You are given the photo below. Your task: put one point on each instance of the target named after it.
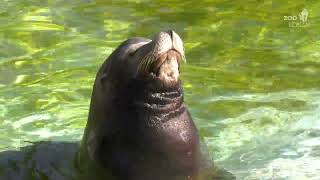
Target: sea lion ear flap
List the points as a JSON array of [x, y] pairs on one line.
[[104, 71], [103, 77]]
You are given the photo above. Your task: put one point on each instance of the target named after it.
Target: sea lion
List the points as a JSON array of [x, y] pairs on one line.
[[139, 127]]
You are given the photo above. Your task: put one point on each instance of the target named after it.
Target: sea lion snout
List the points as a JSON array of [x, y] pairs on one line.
[[163, 58], [168, 40]]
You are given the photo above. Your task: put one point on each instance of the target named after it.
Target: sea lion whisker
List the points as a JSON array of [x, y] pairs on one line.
[[146, 62], [183, 58], [141, 65]]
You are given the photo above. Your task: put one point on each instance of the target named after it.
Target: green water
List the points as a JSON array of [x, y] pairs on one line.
[[252, 78]]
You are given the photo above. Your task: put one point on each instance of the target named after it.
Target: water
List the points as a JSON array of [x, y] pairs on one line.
[[251, 80]]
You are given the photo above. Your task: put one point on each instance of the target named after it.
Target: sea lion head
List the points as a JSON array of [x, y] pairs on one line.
[[137, 100], [153, 61]]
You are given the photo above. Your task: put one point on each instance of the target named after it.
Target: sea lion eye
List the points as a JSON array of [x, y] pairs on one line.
[[133, 48], [131, 53]]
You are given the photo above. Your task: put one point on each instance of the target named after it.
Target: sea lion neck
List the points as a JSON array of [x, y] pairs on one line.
[[159, 104]]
